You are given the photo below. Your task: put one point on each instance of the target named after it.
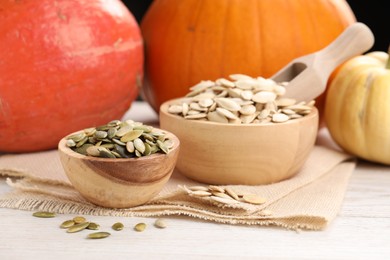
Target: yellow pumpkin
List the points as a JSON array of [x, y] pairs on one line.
[[357, 107]]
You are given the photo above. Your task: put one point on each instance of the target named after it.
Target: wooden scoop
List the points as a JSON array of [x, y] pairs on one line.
[[308, 75]]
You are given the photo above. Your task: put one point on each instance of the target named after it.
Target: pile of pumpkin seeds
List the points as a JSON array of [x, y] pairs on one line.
[[240, 100], [80, 223], [120, 139]]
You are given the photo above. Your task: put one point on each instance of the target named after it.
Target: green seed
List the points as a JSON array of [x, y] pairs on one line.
[[78, 227], [117, 226], [79, 219], [44, 214], [98, 235], [140, 227], [93, 226], [130, 136], [118, 139], [67, 224], [77, 137]]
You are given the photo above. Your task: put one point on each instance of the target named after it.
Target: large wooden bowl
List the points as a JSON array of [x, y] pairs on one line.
[[117, 182], [249, 154]]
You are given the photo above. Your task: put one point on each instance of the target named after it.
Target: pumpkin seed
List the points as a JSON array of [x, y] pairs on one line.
[[77, 137], [222, 195], [124, 130], [93, 226], [82, 149], [118, 139], [140, 227], [93, 151], [44, 214], [77, 227], [160, 223], [98, 235], [280, 118], [70, 143], [223, 200], [200, 193], [100, 134], [232, 193], [117, 226], [245, 100], [139, 145], [67, 223], [79, 219], [253, 199]]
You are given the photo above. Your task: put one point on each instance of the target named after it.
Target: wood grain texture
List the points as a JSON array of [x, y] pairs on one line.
[[119, 183], [250, 154]]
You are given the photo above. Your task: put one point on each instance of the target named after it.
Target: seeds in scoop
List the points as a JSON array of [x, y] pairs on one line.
[[79, 219], [67, 224], [44, 214], [140, 227], [98, 235], [253, 199], [77, 227], [160, 223], [117, 226]]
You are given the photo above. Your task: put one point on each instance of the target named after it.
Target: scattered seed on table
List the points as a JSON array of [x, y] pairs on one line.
[[160, 223], [78, 227], [44, 214], [98, 235], [79, 219], [140, 227], [93, 226], [117, 226], [67, 224]]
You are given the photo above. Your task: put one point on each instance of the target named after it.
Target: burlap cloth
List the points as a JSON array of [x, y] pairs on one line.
[[310, 200]]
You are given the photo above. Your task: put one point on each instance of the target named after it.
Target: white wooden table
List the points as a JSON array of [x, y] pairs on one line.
[[361, 231]]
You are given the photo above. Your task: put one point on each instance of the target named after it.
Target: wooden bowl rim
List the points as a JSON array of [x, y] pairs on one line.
[[63, 148], [164, 110]]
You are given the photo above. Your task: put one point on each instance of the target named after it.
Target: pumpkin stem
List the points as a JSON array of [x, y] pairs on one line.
[[388, 59]]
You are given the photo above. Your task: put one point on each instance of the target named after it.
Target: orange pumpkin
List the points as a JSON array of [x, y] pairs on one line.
[[64, 66], [189, 41]]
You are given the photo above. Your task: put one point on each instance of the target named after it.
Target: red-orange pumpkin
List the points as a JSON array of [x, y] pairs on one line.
[[189, 41], [64, 66]]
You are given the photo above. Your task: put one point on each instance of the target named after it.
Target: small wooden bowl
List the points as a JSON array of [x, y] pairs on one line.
[[248, 154], [117, 182]]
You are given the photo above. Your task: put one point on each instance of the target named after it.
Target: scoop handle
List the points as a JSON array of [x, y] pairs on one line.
[[354, 40]]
